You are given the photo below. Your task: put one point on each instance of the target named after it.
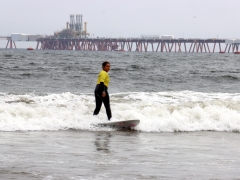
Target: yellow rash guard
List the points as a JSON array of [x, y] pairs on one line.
[[103, 77]]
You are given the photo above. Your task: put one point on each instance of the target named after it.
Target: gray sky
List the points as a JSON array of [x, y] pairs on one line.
[[124, 18]]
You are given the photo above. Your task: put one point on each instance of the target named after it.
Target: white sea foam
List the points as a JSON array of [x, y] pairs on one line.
[[158, 112]]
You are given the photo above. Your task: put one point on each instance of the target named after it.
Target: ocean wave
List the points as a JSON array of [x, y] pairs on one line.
[[8, 55], [230, 77], [220, 78], [158, 111]]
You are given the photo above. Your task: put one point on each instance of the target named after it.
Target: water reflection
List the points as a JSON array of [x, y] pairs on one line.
[[102, 141]]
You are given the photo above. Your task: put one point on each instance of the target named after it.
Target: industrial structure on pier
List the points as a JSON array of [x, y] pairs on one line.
[[74, 29], [76, 37]]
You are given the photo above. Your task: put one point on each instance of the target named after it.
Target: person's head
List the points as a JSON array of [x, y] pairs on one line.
[[106, 66]]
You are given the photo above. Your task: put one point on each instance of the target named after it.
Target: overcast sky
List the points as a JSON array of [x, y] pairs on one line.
[[124, 18]]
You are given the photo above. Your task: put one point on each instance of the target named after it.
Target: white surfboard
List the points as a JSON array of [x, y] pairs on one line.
[[124, 124]]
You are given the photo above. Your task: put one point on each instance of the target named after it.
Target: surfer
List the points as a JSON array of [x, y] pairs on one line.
[[101, 90]]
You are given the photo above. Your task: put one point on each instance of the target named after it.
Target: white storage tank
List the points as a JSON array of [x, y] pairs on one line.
[[229, 41], [149, 37], [237, 41], [32, 37], [166, 37], [16, 36], [24, 37]]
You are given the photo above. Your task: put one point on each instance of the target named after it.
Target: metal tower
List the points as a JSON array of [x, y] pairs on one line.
[[72, 22], [79, 25]]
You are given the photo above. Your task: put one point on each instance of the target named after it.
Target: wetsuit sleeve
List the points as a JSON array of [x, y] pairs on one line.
[[101, 87]]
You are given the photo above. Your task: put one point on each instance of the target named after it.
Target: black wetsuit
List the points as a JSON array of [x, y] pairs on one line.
[[100, 88]]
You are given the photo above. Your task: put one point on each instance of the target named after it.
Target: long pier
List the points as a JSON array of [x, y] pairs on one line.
[[138, 44], [189, 45]]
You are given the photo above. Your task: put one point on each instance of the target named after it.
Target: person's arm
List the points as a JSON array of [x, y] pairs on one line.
[[102, 89]]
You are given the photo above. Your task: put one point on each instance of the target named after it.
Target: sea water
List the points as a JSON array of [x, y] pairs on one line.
[[188, 104]]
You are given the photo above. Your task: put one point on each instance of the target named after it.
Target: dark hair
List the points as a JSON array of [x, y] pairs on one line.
[[105, 63]]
